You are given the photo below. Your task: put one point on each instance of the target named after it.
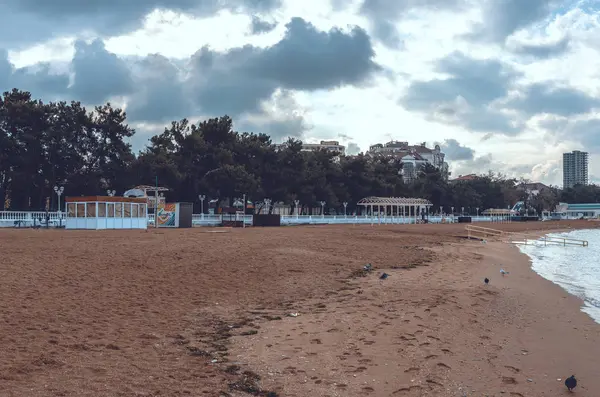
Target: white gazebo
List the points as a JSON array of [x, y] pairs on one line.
[[404, 207]]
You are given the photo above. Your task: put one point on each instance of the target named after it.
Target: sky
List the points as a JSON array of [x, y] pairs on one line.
[[502, 85]]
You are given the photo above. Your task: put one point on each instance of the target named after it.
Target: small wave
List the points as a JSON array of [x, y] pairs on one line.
[[575, 269]]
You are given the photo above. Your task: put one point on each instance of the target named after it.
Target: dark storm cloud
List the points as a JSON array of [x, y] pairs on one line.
[[39, 79], [98, 74], [503, 18], [545, 98], [384, 14], [305, 59], [543, 50], [465, 98], [160, 95], [259, 26], [457, 152], [28, 21]]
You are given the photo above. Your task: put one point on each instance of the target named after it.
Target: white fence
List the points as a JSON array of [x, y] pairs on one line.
[[29, 218]]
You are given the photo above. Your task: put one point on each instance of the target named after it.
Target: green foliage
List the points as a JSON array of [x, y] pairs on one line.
[[42, 145]]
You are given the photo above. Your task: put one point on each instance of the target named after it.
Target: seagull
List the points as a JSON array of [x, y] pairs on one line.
[[384, 276], [571, 383], [503, 272], [486, 280]]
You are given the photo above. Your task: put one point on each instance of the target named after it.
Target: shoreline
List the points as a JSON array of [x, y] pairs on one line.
[[444, 337]]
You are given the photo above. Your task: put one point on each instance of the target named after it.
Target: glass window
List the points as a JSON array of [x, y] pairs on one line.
[[91, 210], [118, 210], [110, 210], [142, 210], [71, 210], [80, 210], [134, 210], [127, 210], [101, 210]]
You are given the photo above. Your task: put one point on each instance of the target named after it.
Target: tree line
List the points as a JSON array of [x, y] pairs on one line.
[[88, 152]]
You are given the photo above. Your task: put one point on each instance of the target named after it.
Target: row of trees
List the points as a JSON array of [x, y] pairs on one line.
[[87, 152]]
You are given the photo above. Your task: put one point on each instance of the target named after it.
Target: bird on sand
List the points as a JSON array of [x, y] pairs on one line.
[[503, 272], [486, 280], [571, 383], [384, 276]]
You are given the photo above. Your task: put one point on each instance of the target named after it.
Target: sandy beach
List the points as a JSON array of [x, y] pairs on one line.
[[286, 312]]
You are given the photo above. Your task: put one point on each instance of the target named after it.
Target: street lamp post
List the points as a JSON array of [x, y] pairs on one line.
[[267, 204], [322, 208], [59, 191], [244, 214], [202, 197], [452, 212], [345, 206], [477, 209], [297, 203]]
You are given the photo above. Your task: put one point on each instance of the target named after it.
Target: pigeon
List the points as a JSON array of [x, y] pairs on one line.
[[486, 280], [503, 272], [571, 383], [384, 276]]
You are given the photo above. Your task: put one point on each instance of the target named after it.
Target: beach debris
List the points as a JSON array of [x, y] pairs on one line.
[[486, 280], [571, 382], [368, 267], [503, 272], [384, 276], [293, 314]]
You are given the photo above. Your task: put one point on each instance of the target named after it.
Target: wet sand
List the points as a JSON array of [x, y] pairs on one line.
[[186, 312]]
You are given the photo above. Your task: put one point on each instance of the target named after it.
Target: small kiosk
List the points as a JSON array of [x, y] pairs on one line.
[[106, 212]]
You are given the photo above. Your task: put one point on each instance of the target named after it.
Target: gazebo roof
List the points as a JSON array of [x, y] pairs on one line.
[[393, 201]]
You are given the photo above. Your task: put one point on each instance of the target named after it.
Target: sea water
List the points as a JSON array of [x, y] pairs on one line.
[[574, 268]]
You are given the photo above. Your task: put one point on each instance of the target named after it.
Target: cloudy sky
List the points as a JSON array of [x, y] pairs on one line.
[[506, 85]]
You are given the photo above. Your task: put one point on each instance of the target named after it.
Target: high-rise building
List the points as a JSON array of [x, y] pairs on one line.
[[575, 169]]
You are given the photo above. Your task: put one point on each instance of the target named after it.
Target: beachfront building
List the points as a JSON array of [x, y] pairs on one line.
[[413, 157], [586, 210], [575, 169]]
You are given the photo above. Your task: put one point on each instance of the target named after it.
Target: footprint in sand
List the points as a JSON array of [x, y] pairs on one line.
[[509, 380], [430, 357], [368, 389], [412, 369], [407, 390], [513, 369], [443, 365]]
